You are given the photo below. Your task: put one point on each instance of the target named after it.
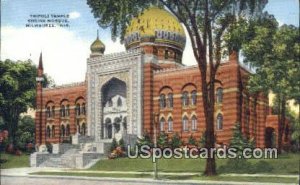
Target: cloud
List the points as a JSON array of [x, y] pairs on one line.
[[74, 15], [64, 53]]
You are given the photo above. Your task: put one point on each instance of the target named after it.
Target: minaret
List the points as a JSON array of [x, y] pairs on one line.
[[39, 103]]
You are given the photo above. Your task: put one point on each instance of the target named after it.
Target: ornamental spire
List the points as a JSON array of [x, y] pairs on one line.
[[41, 61]]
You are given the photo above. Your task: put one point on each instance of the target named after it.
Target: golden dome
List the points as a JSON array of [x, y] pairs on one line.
[[97, 46], [155, 25]]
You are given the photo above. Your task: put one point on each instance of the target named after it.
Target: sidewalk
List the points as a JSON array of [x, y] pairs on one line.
[[25, 172]]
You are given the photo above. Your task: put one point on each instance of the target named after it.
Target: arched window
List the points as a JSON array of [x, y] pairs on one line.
[[110, 103], [185, 99], [53, 111], [219, 95], [68, 110], [194, 123], [63, 131], [62, 111], [68, 130], [48, 113], [166, 54], [48, 132], [170, 100], [53, 131], [185, 123], [219, 122], [83, 109], [162, 101], [194, 97], [119, 103], [162, 124], [170, 124], [77, 109], [83, 129]]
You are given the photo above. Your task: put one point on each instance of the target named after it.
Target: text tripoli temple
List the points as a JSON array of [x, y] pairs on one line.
[[123, 90]]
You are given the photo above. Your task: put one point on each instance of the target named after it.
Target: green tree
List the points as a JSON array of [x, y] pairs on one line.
[[162, 140], [25, 133], [274, 53], [175, 141], [192, 140], [239, 141], [17, 92], [206, 22]]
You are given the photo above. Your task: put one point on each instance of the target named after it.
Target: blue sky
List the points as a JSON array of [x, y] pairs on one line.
[[70, 46]]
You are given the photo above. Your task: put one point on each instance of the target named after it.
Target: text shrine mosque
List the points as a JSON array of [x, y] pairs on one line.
[[122, 91]]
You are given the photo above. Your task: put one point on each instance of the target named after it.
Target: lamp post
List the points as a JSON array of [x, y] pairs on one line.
[[155, 121]]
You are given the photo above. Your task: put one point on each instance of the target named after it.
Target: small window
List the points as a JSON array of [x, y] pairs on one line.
[[219, 122], [166, 54], [53, 131], [62, 111], [119, 103], [68, 130], [170, 100], [170, 124], [48, 132], [219, 95], [63, 131], [83, 109], [48, 112], [78, 112], [162, 124], [194, 97], [162, 101], [68, 110], [194, 123], [53, 112], [185, 99], [185, 124]]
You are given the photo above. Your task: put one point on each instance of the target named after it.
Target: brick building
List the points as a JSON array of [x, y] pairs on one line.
[[123, 90]]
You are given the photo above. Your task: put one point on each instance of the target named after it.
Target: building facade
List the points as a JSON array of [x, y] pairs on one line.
[[122, 91]]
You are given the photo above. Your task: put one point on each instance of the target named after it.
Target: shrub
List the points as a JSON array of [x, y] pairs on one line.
[[162, 140], [114, 144], [192, 140], [49, 147], [175, 141]]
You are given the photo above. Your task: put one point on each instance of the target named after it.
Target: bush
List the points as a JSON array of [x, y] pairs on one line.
[[162, 140], [175, 141], [145, 140], [49, 147], [113, 145], [192, 140]]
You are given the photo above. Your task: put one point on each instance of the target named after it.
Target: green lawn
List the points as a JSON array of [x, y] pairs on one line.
[[13, 161], [286, 164], [176, 177]]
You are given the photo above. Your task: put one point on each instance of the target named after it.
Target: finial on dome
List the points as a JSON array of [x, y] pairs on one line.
[[97, 47]]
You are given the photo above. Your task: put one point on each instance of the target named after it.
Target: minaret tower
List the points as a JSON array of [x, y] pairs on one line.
[[39, 104]]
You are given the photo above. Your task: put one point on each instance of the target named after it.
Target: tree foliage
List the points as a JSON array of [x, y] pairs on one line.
[[17, 92]]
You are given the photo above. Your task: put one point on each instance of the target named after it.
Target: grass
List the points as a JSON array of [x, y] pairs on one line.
[[176, 177], [285, 164], [13, 161]]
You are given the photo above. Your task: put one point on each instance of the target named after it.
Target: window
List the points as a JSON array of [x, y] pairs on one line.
[[83, 129], [194, 123], [53, 131], [219, 122], [194, 97], [166, 54], [170, 100], [110, 103], [119, 103], [83, 109], [62, 111], [48, 132], [68, 130], [219, 95], [162, 124], [185, 124], [77, 109], [162, 101], [63, 131], [53, 111], [68, 110], [48, 112], [170, 124], [185, 99]]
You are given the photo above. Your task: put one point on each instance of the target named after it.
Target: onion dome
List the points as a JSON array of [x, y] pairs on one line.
[[97, 47], [156, 26]]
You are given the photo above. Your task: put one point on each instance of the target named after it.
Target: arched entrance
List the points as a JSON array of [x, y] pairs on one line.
[[270, 137]]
